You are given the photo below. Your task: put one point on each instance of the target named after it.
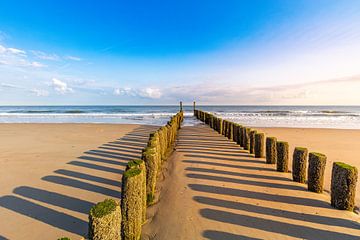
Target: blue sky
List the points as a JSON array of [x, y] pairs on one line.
[[160, 52]]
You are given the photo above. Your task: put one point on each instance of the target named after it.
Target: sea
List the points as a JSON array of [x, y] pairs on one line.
[[340, 117]]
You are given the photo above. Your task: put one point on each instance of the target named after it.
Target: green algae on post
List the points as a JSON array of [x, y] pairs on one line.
[[299, 164], [131, 204], [105, 220], [343, 186], [316, 171], [271, 153], [282, 161], [259, 145]]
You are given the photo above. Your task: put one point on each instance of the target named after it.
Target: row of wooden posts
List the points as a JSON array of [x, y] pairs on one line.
[[112, 219], [344, 177]]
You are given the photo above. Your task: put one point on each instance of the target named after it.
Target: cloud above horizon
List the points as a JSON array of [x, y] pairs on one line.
[[16, 57], [306, 53], [61, 87], [151, 93]]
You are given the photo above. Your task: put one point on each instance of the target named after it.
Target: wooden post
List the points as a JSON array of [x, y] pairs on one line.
[[299, 164], [271, 153], [131, 204], [181, 108], [194, 106], [343, 186], [105, 220], [316, 169], [259, 145], [282, 160]]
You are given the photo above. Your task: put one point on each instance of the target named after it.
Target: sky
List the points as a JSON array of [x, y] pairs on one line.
[[255, 52]]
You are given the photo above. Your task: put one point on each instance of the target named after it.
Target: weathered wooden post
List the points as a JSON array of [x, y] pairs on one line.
[[225, 132], [299, 164], [194, 106], [343, 186], [131, 204], [220, 127], [259, 145], [246, 138], [181, 106], [236, 133], [105, 220], [316, 170], [153, 164], [140, 164], [241, 138], [271, 153], [282, 161], [230, 131], [252, 141]]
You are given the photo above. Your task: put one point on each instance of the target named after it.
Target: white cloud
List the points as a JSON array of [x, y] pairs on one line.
[[37, 64], [60, 86], [39, 92], [8, 85], [45, 56], [17, 58], [16, 51], [338, 91], [152, 93], [2, 49], [73, 58]]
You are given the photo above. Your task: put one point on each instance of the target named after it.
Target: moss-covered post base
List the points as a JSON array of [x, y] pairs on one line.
[[140, 164], [282, 149], [153, 164], [131, 204], [299, 164], [343, 186], [105, 221], [271, 153], [316, 170]]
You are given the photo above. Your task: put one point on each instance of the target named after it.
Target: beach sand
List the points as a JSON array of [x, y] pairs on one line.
[[214, 190], [51, 174], [338, 145]]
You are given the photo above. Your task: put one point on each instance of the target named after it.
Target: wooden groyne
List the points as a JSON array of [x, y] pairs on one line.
[[124, 218], [344, 177], [114, 219]]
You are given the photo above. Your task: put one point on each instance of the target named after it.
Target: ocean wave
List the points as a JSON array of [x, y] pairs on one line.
[[87, 114], [32, 111], [75, 111], [290, 113]]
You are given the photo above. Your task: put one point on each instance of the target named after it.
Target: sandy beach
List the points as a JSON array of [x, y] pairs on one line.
[[51, 174]]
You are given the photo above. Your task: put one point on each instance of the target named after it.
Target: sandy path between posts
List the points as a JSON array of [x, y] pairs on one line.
[[51, 175], [214, 190]]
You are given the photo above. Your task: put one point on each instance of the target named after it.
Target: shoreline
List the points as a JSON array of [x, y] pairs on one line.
[[186, 124]]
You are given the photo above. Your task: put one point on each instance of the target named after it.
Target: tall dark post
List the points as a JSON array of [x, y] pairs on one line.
[[181, 108], [194, 106]]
